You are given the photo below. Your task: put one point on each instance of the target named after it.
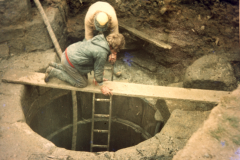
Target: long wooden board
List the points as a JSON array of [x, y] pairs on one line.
[[119, 88], [145, 37]]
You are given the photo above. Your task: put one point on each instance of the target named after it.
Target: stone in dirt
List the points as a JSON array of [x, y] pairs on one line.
[[33, 35], [14, 11], [11, 32], [144, 61], [236, 67], [211, 72], [37, 36], [4, 50]]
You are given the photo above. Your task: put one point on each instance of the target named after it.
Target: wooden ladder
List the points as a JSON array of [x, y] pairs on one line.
[[101, 116]]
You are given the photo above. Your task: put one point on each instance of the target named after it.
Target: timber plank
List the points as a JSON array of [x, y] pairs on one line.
[[119, 88], [145, 37]]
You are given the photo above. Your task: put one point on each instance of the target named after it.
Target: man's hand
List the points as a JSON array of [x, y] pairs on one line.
[[106, 91]]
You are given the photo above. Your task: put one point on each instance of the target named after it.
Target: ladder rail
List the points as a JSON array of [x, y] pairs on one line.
[[92, 130], [109, 122]]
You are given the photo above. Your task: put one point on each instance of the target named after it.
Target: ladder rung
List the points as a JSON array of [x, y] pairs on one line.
[[101, 115], [99, 146], [103, 100], [100, 131], [107, 68]]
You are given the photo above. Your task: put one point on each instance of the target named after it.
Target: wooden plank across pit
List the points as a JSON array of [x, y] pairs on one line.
[[119, 88]]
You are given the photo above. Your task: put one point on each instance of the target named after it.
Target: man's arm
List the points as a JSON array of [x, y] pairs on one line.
[[114, 29], [98, 74], [114, 22], [114, 26], [88, 31], [88, 27], [98, 69]]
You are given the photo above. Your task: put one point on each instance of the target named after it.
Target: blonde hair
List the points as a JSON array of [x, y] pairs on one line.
[[116, 41]]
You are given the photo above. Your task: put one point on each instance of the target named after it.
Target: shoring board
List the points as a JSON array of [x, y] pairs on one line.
[[119, 88], [145, 37]]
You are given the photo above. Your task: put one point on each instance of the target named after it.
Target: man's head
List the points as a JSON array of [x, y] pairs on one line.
[[101, 21], [116, 41]]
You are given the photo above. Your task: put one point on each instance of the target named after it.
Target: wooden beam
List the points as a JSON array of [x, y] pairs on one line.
[[145, 37], [119, 88], [75, 120]]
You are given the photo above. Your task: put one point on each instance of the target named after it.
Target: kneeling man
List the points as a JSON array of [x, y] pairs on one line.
[[81, 58]]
